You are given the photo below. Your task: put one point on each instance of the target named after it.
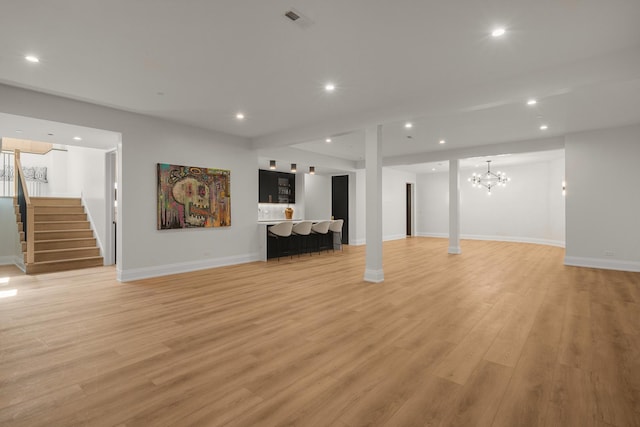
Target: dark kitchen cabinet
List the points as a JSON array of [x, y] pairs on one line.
[[276, 187]]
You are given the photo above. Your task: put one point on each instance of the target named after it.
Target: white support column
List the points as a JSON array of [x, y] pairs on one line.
[[454, 207], [373, 157]]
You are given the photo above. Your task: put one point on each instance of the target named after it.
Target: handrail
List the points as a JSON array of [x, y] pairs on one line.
[[23, 180], [26, 209]]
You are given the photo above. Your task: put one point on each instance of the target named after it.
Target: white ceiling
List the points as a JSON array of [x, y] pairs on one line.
[[430, 62], [12, 126], [479, 163]]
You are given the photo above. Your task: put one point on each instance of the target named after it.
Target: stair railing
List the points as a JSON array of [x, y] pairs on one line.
[[26, 209]]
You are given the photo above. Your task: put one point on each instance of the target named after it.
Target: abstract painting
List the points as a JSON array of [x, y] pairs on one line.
[[193, 197]]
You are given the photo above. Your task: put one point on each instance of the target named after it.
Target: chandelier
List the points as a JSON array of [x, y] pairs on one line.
[[489, 179]]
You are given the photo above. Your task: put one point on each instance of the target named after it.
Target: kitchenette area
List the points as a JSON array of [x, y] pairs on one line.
[[295, 215]]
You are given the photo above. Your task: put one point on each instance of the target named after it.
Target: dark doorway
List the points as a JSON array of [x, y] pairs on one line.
[[340, 203], [409, 209]]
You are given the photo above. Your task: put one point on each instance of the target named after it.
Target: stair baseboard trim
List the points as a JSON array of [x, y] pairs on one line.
[[83, 202], [601, 263], [128, 275]]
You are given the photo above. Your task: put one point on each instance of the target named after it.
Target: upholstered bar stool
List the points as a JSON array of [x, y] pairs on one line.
[[336, 229], [320, 230], [281, 232], [301, 231]]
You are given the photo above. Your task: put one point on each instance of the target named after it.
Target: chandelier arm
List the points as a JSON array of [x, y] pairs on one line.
[[489, 179]]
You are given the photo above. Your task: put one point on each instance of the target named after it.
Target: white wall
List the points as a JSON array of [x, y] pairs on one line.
[[9, 241], [144, 251], [603, 199], [394, 184], [394, 203], [432, 204], [354, 208], [317, 197], [529, 209], [557, 205], [360, 229], [86, 174], [58, 175]]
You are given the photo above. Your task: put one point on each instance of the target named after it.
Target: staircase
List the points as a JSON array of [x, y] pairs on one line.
[[63, 238]]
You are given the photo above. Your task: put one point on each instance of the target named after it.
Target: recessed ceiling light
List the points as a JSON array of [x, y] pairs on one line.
[[408, 125], [433, 169], [498, 32], [329, 87], [32, 58], [240, 116], [77, 138], [532, 102], [442, 141], [544, 127], [18, 131], [328, 140]]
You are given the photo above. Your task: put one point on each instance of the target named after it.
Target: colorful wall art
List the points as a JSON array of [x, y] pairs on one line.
[[193, 197]]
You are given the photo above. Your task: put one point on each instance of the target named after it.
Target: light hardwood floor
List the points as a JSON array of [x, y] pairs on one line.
[[502, 335]]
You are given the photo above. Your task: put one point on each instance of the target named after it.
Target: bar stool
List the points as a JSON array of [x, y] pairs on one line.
[[336, 228], [281, 232], [301, 231], [320, 229]]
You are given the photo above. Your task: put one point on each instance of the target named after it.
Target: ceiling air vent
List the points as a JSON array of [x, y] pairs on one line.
[[298, 18], [292, 15]]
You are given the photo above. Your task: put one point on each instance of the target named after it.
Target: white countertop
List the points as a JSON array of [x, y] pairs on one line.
[[277, 221]]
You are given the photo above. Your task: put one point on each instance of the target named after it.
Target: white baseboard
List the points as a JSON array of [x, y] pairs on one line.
[[440, 235], [7, 260], [183, 267], [607, 264], [360, 242], [18, 261], [516, 239], [373, 276]]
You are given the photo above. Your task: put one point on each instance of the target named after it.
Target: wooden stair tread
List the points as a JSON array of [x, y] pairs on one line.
[[58, 222], [66, 199], [72, 239], [62, 231], [55, 201], [97, 257], [42, 267], [41, 235], [64, 250]]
